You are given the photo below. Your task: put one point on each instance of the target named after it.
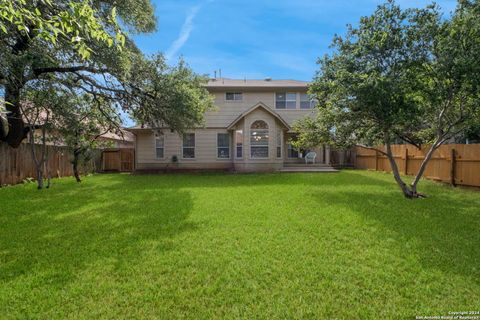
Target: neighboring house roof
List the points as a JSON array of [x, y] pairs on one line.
[[138, 128], [127, 136], [224, 83], [255, 107]]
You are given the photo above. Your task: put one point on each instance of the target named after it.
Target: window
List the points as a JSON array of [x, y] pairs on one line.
[[292, 153], [234, 96], [159, 146], [307, 101], [189, 146], [223, 145], [279, 143], [239, 144], [285, 100], [259, 139]]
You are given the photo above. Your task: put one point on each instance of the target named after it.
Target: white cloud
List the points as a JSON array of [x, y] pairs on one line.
[[185, 31]]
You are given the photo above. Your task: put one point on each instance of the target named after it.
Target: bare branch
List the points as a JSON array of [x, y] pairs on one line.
[[39, 71], [372, 148]]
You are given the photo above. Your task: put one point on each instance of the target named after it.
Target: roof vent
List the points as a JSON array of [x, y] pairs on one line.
[[268, 79]]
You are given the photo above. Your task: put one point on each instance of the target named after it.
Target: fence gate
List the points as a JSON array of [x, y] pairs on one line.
[[120, 160]]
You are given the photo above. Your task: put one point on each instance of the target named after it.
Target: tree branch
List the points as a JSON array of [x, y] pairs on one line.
[[408, 140], [372, 148], [39, 71]]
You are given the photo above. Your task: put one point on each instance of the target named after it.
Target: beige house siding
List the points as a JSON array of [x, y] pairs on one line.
[[227, 111], [257, 104], [254, 164], [205, 151]]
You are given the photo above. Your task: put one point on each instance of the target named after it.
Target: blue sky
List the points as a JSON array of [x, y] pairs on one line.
[[281, 39]]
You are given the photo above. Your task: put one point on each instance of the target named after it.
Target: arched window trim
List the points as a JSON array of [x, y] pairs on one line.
[[259, 139]]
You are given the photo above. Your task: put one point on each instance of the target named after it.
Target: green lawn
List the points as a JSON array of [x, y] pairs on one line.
[[264, 246]]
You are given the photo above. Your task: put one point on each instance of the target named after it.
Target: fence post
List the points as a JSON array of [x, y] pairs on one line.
[[406, 161], [453, 162], [376, 160]]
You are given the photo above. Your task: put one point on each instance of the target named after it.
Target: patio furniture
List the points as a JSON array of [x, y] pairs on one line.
[[310, 157]]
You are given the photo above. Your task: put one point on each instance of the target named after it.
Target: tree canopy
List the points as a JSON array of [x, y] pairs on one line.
[[83, 46], [401, 75]]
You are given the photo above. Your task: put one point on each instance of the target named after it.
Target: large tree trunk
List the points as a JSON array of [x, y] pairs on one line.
[[16, 126], [423, 167], [15, 82], [39, 178], [407, 192], [76, 160]]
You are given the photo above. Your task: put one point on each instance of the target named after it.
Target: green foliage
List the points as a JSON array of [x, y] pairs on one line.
[[79, 46], [79, 122], [223, 246], [166, 96], [76, 21], [406, 75], [365, 87], [3, 119]]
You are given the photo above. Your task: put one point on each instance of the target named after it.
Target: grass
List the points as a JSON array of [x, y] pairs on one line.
[[263, 246]]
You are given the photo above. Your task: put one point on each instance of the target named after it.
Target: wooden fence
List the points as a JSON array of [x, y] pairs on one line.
[[458, 164], [17, 164], [121, 160]]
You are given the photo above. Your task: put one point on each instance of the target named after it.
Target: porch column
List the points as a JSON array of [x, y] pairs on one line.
[[327, 154]]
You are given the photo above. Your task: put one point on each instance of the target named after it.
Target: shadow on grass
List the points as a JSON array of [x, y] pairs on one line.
[[445, 226], [57, 233]]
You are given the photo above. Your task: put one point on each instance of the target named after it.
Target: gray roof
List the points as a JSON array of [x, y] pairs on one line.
[[265, 83]]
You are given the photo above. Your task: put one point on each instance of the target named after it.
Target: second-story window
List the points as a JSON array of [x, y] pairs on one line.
[[234, 96], [307, 101], [285, 100]]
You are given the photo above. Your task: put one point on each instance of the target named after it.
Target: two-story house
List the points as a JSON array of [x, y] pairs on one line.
[[249, 130]]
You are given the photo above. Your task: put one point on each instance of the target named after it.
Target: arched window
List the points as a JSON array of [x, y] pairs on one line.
[[259, 139]]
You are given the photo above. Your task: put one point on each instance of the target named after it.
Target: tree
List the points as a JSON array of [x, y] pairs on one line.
[[3, 118], [472, 134], [78, 122], [167, 96], [79, 45], [37, 116], [46, 39], [407, 75]]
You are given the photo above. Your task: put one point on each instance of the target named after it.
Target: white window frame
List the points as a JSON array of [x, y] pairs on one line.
[[229, 147], [160, 138], [189, 147], [263, 145], [237, 96], [237, 144], [286, 93]]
